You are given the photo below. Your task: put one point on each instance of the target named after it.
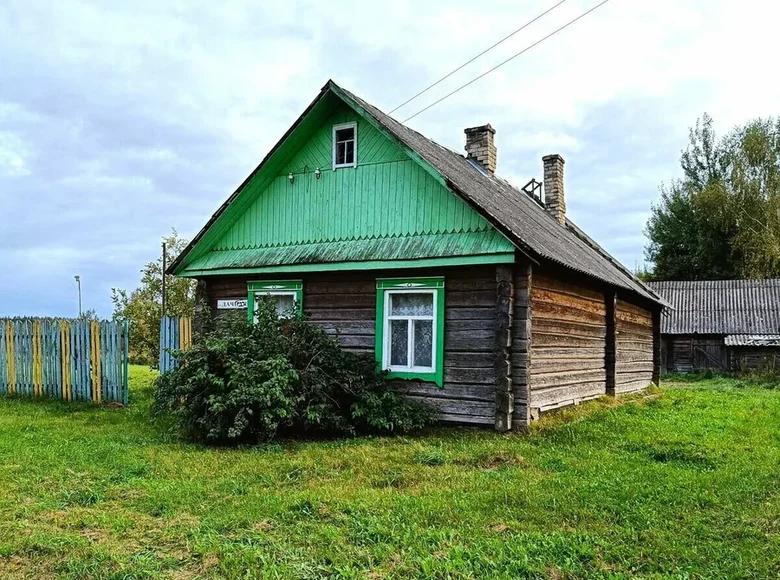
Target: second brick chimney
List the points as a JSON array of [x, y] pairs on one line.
[[481, 148], [554, 201]]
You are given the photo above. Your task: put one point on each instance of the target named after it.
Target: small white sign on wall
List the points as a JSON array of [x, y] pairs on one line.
[[232, 304]]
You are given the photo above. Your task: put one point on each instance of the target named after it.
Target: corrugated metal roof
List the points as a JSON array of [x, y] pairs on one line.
[[512, 212], [721, 306], [752, 340]]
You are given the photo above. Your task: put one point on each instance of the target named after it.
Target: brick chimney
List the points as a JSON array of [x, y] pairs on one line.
[[554, 201], [481, 148]]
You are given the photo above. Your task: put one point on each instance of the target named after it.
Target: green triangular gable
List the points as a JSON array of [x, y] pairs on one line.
[[391, 207]]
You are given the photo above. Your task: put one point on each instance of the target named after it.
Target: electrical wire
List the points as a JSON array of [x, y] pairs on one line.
[[468, 62], [514, 56]]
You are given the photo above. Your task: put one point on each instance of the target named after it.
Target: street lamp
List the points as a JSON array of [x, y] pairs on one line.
[[78, 281]]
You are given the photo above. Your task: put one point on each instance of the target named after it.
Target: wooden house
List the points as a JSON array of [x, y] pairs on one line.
[[477, 297], [723, 325]]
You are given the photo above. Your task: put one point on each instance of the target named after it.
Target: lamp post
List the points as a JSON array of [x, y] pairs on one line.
[[78, 281]]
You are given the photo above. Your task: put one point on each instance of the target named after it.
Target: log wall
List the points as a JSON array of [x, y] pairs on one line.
[[634, 347], [549, 342], [345, 305], [568, 344]]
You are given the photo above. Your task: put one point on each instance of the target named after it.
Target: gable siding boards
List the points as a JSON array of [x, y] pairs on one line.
[[388, 196], [344, 304]]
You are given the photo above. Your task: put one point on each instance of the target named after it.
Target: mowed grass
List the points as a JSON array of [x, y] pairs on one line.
[[683, 484]]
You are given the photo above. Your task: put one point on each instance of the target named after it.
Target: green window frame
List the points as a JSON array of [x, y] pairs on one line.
[[292, 288], [385, 289]]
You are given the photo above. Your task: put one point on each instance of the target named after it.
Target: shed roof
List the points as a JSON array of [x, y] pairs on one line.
[[752, 340], [512, 212], [721, 306]]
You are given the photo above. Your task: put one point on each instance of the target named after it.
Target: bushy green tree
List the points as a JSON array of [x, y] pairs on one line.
[[722, 218], [143, 306], [245, 383]]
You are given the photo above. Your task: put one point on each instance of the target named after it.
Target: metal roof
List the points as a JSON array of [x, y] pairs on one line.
[[752, 340], [512, 211], [721, 306]]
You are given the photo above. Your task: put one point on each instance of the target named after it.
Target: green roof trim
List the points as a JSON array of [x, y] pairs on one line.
[[505, 258]]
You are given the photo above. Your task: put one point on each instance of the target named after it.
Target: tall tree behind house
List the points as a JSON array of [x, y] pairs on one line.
[[721, 220]]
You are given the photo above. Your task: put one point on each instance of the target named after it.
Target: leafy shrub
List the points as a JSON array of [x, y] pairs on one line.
[[245, 383]]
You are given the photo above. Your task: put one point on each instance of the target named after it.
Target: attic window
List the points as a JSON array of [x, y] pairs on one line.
[[344, 145]]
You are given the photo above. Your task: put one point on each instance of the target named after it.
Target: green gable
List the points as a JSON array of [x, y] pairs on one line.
[[390, 210]]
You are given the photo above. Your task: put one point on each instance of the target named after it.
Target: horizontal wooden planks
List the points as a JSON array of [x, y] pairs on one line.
[[344, 304], [568, 343], [634, 342]]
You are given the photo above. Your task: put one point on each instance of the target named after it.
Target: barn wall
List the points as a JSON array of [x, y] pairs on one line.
[[568, 343], [754, 358], [686, 353], [344, 304], [634, 347]]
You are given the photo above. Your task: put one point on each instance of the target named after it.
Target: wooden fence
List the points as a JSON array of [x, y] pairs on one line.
[[175, 334], [74, 360]]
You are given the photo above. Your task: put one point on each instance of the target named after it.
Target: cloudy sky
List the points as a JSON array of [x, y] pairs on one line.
[[120, 121]]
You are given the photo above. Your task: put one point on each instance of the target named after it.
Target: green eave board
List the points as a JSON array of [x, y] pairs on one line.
[[299, 214]]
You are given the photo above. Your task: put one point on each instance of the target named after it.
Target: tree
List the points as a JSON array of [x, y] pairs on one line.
[[722, 218], [143, 306], [89, 315]]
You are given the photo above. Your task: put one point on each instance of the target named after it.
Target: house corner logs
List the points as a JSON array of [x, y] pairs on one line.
[[610, 349], [503, 343], [520, 349], [657, 346]]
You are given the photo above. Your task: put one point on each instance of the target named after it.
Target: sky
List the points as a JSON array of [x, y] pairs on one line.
[[120, 121]]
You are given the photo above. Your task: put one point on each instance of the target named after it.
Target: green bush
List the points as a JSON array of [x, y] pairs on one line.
[[246, 383]]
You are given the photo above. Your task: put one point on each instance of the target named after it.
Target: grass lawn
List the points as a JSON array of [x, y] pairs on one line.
[[684, 485]]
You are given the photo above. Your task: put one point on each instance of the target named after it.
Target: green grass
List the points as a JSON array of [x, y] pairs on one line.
[[682, 485]]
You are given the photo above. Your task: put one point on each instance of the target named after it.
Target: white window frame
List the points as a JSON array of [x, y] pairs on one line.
[[387, 338], [257, 293], [353, 126]]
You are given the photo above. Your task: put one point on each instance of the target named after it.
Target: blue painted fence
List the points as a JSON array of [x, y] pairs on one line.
[[74, 360], [175, 334]]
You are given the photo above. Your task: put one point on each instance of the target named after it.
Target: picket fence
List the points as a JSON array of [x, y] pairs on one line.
[[73, 360], [175, 334]]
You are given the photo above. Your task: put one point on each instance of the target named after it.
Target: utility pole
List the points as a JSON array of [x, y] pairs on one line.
[[164, 267], [78, 281]]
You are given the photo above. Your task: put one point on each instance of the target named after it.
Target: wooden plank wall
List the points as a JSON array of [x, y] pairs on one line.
[[345, 305], [65, 359], [634, 344], [175, 334], [754, 358], [568, 344], [694, 353]]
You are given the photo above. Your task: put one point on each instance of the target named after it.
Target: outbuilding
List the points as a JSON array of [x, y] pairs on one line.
[[721, 325], [479, 298]]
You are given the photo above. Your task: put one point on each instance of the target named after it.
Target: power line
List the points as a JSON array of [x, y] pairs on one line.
[[499, 65], [468, 62]]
